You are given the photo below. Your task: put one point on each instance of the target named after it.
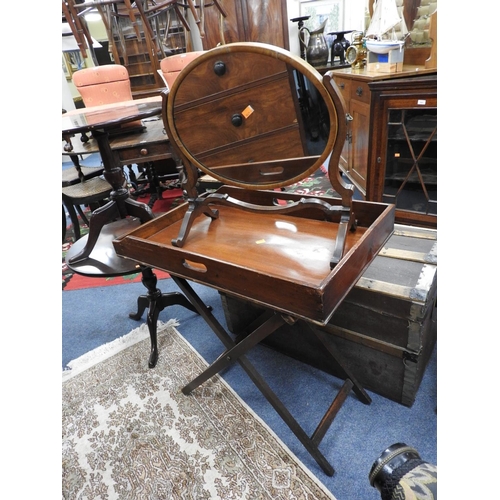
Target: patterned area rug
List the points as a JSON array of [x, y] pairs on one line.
[[317, 184], [130, 433]]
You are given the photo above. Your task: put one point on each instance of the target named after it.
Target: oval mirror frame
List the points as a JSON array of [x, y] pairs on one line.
[[214, 57]]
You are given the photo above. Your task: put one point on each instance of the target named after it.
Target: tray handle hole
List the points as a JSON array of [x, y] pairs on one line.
[[194, 266]]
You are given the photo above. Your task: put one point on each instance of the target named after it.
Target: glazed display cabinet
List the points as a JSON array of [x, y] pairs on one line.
[[402, 162], [390, 149]]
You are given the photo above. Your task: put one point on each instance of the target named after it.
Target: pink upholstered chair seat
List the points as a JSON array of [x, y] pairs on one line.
[[107, 84], [171, 66], [103, 84]]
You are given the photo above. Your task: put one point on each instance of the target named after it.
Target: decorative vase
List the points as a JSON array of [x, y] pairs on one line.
[[339, 46], [317, 49]]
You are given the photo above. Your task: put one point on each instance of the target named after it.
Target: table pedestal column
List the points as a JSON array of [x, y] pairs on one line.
[[121, 204]]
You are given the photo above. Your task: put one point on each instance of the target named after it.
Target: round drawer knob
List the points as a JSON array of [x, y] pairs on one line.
[[144, 151], [237, 120], [219, 68], [359, 91]]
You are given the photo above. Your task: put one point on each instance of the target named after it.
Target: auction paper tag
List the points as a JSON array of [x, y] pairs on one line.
[[247, 111]]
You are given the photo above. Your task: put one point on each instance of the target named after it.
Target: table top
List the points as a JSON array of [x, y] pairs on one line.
[[110, 115], [103, 261], [364, 74], [153, 133]]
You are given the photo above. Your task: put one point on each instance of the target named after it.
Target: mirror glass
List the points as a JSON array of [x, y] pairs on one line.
[[247, 117]]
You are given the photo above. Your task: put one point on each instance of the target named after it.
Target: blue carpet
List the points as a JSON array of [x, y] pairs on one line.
[[358, 435], [92, 160]]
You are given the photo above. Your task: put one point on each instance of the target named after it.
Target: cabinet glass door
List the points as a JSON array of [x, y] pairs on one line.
[[411, 162]]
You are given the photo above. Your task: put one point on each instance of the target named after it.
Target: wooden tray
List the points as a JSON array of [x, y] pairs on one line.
[[277, 261]]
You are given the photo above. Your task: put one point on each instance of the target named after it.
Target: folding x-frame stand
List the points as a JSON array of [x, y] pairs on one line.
[[235, 352]]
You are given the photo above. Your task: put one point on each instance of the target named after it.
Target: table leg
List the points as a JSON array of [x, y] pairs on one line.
[[156, 301], [347, 373], [235, 352]]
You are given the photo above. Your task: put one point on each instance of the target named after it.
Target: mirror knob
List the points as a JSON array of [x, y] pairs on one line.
[[237, 119], [219, 68]]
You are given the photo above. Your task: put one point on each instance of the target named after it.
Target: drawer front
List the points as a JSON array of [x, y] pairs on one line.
[[275, 146], [227, 73], [246, 105], [360, 92], [144, 153], [344, 86], [237, 119]]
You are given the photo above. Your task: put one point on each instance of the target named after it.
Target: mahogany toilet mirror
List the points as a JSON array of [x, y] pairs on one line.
[[256, 117]]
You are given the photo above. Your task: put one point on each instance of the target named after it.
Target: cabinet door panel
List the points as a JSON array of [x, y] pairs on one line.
[[267, 22], [403, 157], [233, 27], [344, 86], [247, 21], [359, 144]]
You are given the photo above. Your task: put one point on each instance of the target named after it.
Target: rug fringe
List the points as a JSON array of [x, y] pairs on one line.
[[105, 351]]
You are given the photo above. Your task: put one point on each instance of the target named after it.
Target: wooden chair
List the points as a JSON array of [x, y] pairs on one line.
[[80, 173], [71, 176], [171, 66], [81, 185], [93, 192], [105, 84]]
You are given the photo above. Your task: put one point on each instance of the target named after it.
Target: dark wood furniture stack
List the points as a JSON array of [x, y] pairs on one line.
[[248, 21], [257, 118], [141, 34]]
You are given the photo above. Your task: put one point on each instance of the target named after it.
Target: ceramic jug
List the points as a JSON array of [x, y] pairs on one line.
[[317, 49]]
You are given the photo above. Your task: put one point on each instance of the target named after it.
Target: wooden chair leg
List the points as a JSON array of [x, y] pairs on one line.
[[82, 214], [74, 219], [63, 223]]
